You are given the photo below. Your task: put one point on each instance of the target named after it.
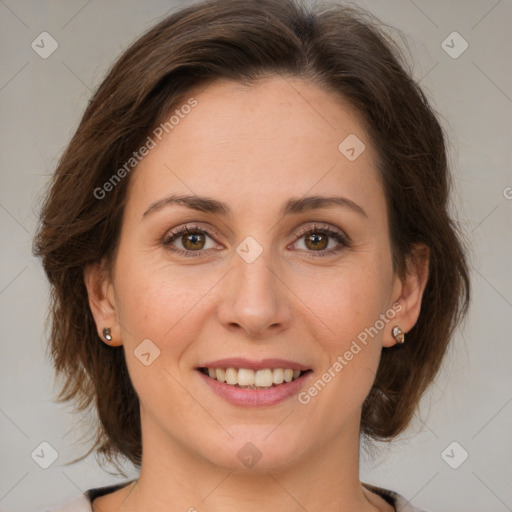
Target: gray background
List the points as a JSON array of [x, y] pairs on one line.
[[41, 102]]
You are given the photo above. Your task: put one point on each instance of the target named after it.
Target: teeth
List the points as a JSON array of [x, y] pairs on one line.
[[252, 379], [245, 377], [220, 374], [263, 378], [278, 376], [231, 376]]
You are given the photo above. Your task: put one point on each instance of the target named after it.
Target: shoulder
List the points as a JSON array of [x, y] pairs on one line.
[[82, 502], [394, 499]]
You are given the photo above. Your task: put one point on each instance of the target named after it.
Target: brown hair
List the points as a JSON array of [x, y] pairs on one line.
[[341, 49]]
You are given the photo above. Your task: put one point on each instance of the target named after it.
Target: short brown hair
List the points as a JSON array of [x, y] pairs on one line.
[[341, 49]]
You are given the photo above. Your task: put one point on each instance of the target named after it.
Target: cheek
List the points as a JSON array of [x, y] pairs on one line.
[[346, 301], [166, 306], [347, 308], [156, 299], [352, 352]]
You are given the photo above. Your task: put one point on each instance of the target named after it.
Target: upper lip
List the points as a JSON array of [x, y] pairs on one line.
[[240, 362]]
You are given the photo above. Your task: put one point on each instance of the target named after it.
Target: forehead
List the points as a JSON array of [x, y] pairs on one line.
[[251, 143]]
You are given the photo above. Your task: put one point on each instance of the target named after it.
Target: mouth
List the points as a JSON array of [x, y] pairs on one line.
[[254, 383], [248, 378]]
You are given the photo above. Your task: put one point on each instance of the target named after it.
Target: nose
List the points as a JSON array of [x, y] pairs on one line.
[[254, 299]]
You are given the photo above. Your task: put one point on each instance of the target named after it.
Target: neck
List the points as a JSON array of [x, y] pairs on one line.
[[173, 477]]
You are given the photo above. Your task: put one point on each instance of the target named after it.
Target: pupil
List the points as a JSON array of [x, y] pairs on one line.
[[318, 241], [191, 241]]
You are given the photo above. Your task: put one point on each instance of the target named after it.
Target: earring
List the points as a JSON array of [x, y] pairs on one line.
[[107, 334], [398, 334]]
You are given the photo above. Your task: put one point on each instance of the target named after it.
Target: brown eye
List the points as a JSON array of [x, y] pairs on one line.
[[316, 241], [322, 240], [189, 241], [193, 241]]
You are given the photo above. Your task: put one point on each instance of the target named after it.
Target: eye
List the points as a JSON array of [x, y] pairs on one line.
[[321, 239], [193, 241], [189, 241]]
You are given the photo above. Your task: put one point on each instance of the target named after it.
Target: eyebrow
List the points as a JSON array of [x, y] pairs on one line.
[[292, 206]]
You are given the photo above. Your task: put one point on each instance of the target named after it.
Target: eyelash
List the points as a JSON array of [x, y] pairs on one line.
[[316, 228]]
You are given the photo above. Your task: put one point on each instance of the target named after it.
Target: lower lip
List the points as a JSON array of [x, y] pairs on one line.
[[255, 397]]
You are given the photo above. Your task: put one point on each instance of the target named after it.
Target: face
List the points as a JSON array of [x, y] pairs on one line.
[[262, 278]]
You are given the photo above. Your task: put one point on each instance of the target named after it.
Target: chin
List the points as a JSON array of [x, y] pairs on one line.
[[260, 452]]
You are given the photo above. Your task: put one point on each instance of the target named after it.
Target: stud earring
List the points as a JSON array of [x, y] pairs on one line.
[[107, 334], [398, 334]]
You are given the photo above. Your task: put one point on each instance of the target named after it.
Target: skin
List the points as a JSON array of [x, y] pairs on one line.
[[253, 148]]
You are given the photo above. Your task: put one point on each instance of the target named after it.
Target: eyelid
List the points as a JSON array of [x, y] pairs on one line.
[[194, 226], [320, 226], [174, 233], [305, 229]]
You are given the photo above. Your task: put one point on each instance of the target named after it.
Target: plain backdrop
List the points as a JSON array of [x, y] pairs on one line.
[[42, 100]]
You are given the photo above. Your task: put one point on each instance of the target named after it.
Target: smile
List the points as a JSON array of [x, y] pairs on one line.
[[248, 383], [247, 378]]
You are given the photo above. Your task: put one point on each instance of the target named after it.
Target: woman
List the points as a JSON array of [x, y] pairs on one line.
[[252, 260]]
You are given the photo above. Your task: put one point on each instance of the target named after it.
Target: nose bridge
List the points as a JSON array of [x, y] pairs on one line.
[[254, 299], [254, 279]]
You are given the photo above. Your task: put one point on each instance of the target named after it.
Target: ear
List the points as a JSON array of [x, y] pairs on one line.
[[102, 302], [408, 293]]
